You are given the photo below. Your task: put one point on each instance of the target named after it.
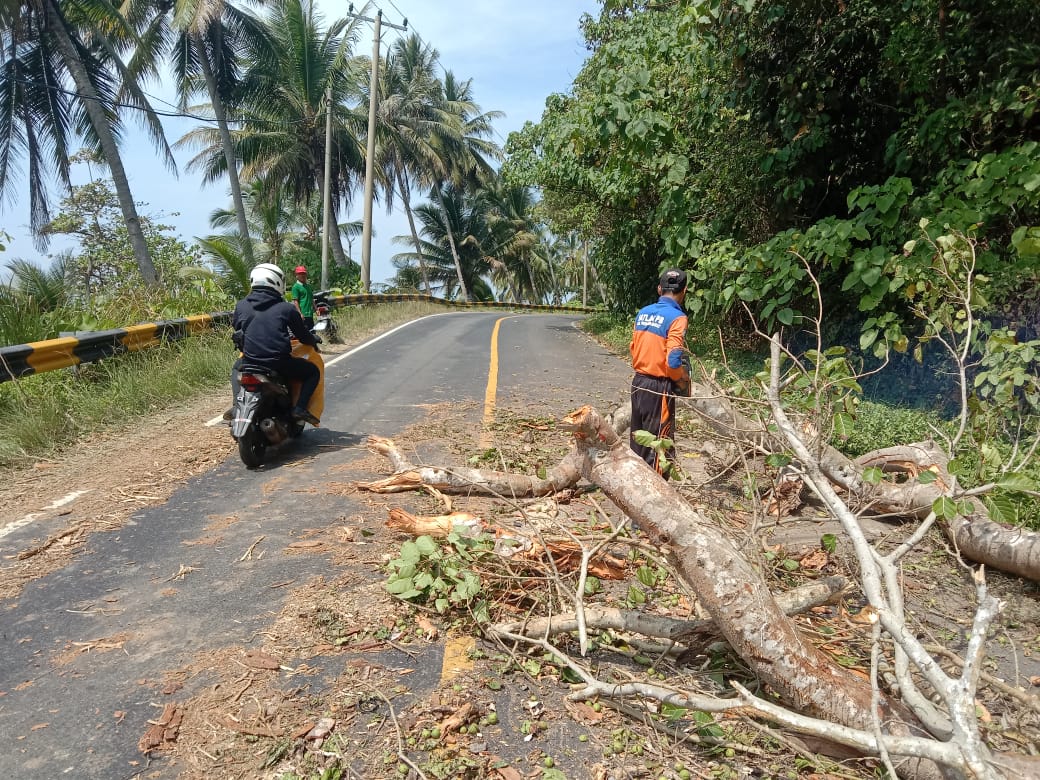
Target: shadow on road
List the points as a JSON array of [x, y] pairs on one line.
[[313, 442]]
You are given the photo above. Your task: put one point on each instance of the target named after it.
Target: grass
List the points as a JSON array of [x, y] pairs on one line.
[[44, 413]]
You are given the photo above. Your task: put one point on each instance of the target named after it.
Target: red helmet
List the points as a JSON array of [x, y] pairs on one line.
[[300, 269]]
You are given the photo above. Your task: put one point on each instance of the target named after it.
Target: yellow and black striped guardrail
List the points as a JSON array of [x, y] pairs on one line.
[[39, 356]]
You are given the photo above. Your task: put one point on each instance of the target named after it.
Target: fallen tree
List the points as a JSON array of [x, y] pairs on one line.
[[829, 702], [919, 720]]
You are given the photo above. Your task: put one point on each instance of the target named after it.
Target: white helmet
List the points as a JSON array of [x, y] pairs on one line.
[[268, 275]]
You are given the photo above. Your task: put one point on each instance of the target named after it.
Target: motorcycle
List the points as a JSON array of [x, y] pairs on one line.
[[262, 415], [324, 324]]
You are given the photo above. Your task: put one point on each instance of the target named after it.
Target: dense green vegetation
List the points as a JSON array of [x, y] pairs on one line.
[[863, 172], [756, 142]]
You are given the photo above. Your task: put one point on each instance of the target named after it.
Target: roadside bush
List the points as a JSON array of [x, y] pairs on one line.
[[40, 413]]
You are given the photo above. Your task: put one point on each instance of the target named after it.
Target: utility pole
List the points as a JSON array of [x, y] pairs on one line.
[[584, 274], [373, 94], [326, 216]]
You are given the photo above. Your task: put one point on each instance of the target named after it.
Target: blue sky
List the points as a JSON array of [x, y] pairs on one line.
[[517, 53]]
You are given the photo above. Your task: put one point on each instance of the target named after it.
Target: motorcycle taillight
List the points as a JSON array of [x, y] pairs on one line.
[[323, 310], [249, 382]]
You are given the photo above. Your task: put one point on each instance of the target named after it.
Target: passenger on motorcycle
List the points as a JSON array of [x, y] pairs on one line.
[[262, 323]]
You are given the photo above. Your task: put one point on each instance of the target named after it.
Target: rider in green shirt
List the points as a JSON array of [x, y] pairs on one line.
[[303, 296]]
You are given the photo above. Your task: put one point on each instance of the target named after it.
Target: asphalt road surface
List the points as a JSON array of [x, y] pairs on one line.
[[83, 718]]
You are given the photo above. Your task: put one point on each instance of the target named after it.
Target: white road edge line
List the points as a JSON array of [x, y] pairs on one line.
[[220, 418], [12, 527]]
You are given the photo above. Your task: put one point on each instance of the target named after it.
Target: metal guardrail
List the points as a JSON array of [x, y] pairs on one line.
[[39, 356]]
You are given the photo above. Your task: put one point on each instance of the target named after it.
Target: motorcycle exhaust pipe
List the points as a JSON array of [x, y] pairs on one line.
[[274, 430]]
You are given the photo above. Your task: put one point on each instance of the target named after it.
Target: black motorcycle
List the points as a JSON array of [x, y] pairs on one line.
[[262, 415], [324, 325]]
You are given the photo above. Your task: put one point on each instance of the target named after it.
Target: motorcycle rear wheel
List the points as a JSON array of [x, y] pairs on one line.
[[252, 448], [333, 332]]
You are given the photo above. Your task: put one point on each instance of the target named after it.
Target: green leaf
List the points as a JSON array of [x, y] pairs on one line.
[[778, 460], [592, 585], [636, 595], [829, 542], [426, 545], [790, 564], [844, 424], [927, 477], [410, 552], [423, 580], [873, 475], [397, 587], [944, 508], [1001, 509], [541, 472], [647, 576], [1016, 481], [786, 316], [644, 438]]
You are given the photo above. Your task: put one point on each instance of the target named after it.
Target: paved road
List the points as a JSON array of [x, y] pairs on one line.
[[123, 585]]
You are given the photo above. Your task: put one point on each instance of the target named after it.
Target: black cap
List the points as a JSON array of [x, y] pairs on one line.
[[673, 280]]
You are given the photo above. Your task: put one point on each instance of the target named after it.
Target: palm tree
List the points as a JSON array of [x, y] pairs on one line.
[[455, 232], [520, 256], [463, 152], [48, 45], [409, 117], [211, 36], [272, 216], [283, 103]]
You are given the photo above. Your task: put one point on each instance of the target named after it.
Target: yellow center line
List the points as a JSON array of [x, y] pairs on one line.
[[458, 657], [492, 389]]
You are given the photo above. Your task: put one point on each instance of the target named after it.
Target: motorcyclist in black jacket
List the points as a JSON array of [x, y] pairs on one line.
[[262, 323]]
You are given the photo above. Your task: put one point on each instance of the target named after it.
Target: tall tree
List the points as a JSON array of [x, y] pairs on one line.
[[211, 35], [63, 75], [281, 134], [409, 118], [516, 241], [463, 152], [454, 236]]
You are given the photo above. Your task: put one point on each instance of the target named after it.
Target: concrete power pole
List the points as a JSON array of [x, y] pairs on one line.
[[373, 95], [584, 274], [326, 217]]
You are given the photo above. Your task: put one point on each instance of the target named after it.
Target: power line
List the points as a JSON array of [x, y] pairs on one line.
[[172, 114]]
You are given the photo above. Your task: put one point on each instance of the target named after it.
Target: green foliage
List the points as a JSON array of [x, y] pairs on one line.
[[663, 447], [441, 577], [756, 142]]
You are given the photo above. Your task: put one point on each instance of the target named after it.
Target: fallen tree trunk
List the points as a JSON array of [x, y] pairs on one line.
[[736, 597], [732, 591], [977, 537], [792, 602], [464, 480]]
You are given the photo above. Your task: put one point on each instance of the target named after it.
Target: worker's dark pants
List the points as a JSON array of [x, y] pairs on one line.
[[653, 410], [303, 371]]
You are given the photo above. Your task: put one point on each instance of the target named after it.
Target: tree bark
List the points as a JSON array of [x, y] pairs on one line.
[[451, 243], [402, 185], [95, 110], [229, 149], [483, 482]]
